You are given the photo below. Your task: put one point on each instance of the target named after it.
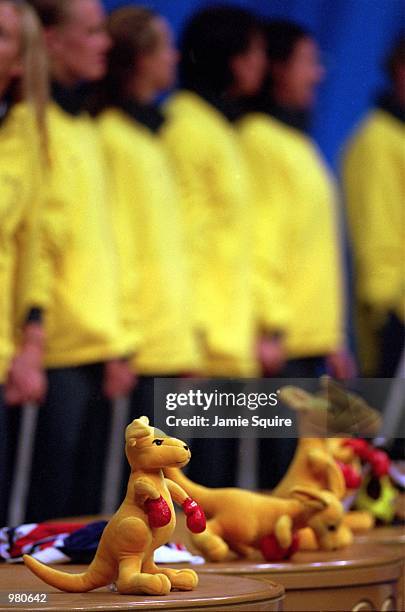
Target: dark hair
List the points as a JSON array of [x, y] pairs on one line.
[[132, 34], [210, 40], [51, 12], [282, 37], [396, 56]]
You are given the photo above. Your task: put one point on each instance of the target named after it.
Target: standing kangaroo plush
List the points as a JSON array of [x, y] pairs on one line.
[[144, 521], [329, 463]]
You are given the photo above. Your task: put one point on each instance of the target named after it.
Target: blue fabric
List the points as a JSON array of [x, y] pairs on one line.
[[355, 36], [81, 545]]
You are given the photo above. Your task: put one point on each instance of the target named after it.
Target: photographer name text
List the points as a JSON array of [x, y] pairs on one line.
[[236, 421]]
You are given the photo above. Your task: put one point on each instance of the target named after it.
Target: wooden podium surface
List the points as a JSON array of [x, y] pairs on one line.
[[394, 539], [393, 536], [364, 576], [215, 592], [361, 577]]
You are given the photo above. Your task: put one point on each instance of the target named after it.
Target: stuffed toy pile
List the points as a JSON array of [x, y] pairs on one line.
[[304, 512]]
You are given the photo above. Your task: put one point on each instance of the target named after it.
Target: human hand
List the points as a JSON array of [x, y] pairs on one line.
[[119, 378]]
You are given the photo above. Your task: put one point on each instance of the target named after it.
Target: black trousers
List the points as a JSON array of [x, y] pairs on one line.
[[141, 404], [275, 454], [391, 341], [213, 462], [3, 460], [70, 445]]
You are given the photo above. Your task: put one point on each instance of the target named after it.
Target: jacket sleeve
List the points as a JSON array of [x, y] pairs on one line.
[[34, 262], [270, 190], [371, 190], [123, 206], [47, 225], [213, 193]]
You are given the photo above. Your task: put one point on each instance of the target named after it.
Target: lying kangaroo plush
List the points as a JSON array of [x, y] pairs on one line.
[[243, 521], [145, 521]]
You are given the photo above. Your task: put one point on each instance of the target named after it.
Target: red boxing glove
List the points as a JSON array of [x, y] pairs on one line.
[[272, 551], [380, 463], [351, 475], [158, 512], [360, 447], [196, 521]]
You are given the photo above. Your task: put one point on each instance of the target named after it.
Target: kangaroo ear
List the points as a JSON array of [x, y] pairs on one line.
[[322, 463], [295, 397], [139, 428], [336, 479], [348, 411], [298, 399], [311, 498]]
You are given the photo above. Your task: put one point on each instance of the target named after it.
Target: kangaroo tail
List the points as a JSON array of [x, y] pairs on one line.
[[73, 583], [202, 495]]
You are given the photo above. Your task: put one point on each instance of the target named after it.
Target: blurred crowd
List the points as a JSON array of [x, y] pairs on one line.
[[198, 237]]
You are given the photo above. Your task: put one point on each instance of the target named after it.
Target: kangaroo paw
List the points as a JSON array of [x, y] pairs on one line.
[[184, 579], [212, 546], [149, 584]]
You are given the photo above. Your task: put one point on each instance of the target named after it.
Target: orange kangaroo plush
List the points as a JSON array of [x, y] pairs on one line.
[[144, 521], [327, 463], [314, 466]]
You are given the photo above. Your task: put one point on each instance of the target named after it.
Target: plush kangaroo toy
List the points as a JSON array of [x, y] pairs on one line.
[[313, 466], [329, 463], [145, 521], [242, 521]]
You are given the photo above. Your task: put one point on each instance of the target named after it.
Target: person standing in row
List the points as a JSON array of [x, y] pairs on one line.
[[218, 45], [86, 340], [23, 97], [373, 180], [146, 208], [298, 198], [221, 48]]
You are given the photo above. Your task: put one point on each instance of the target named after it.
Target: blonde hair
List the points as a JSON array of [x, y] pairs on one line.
[[34, 84]]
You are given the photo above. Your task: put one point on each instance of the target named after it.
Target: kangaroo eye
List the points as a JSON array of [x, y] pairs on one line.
[[332, 527], [158, 442]]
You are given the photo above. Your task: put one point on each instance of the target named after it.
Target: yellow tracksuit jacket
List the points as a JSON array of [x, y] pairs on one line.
[[78, 286], [214, 189], [150, 237], [20, 201], [297, 212], [270, 248], [374, 183]]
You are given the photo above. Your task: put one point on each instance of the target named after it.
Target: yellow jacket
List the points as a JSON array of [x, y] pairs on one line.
[[374, 183], [20, 200], [296, 196], [215, 196], [79, 286], [270, 248], [151, 244]]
